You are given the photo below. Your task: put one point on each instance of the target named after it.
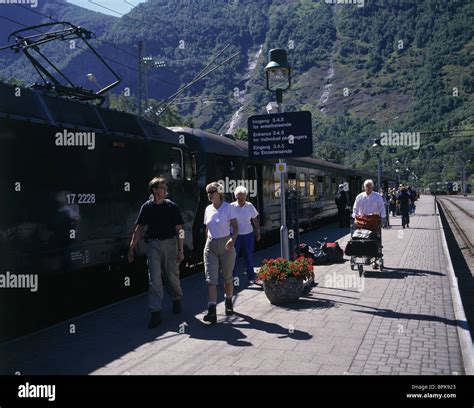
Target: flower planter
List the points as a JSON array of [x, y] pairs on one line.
[[283, 292]]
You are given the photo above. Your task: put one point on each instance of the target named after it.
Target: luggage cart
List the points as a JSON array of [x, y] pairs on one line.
[[361, 259]]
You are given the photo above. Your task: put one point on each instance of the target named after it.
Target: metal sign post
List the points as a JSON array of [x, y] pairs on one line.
[[283, 228]]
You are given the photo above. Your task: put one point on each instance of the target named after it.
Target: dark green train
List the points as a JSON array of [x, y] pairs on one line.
[[448, 188], [72, 179]]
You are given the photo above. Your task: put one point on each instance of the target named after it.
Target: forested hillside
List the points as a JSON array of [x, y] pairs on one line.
[[392, 65]]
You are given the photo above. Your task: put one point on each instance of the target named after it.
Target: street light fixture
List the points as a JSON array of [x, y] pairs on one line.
[[278, 79], [278, 73]]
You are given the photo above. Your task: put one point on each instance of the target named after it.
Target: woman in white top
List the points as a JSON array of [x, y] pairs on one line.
[[219, 251], [246, 213]]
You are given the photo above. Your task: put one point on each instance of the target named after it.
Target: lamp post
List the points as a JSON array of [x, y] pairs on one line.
[[397, 162], [415, 180], [278, 79], [376, 146]]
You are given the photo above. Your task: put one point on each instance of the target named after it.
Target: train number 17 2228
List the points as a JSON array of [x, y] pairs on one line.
[[85, 198]]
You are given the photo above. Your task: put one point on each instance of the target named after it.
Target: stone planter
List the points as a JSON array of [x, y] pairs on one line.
[[287, 291]]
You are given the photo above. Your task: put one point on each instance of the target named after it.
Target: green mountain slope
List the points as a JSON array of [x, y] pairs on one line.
[[390, 66]]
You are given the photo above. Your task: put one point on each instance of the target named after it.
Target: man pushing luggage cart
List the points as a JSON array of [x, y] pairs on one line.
[[365, 246]]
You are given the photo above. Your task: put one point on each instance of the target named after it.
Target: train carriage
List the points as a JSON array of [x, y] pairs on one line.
[[73, 176]]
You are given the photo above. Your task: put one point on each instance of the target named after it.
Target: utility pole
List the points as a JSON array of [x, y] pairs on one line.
[[379, 171], [140, 51]]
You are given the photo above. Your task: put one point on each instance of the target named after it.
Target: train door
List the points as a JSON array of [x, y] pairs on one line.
[[255, 181], [183, 188]]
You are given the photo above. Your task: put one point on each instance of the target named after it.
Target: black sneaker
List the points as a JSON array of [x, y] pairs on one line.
[[211, 316], [176, 306], [229, 310], [155, 320]]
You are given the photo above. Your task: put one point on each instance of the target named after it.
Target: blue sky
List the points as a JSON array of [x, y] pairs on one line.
[[118, 5]]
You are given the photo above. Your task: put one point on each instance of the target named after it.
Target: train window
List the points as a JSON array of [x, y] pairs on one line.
[[320, 185], [312, 185], [176, 163], [333, 180], [194, 164], [292, 186], [276, 179], [188, 168], [327, 185], [302, 185]]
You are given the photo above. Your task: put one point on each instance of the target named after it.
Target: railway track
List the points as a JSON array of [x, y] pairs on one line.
[[453, 202], [457, 221]]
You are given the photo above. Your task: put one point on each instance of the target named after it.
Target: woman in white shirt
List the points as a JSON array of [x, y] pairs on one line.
[[245, 213], [219, 251]]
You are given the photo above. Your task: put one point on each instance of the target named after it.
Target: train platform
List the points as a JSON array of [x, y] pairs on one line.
[[405, 320]]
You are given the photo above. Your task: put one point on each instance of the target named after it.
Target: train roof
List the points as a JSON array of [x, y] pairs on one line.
[[41, 106], [215, 143], [228, 145]]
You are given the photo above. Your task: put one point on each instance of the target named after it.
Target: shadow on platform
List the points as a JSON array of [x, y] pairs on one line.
[[390, 314], [399, 273]]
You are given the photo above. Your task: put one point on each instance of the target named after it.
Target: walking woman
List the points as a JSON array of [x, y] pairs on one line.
[[245, 213], [219, 251]]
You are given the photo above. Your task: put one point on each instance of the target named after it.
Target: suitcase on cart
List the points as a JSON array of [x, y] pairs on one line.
[[363, 247]]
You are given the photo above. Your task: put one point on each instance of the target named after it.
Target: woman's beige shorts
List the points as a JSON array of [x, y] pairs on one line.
[[216, 259]]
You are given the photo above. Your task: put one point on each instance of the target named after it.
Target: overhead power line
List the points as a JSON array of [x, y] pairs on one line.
[[105, 58]]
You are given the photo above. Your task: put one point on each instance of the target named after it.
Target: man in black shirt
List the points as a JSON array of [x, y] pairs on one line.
[[165, 247]]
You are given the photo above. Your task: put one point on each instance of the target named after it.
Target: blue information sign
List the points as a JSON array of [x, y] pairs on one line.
[[280, 135]]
